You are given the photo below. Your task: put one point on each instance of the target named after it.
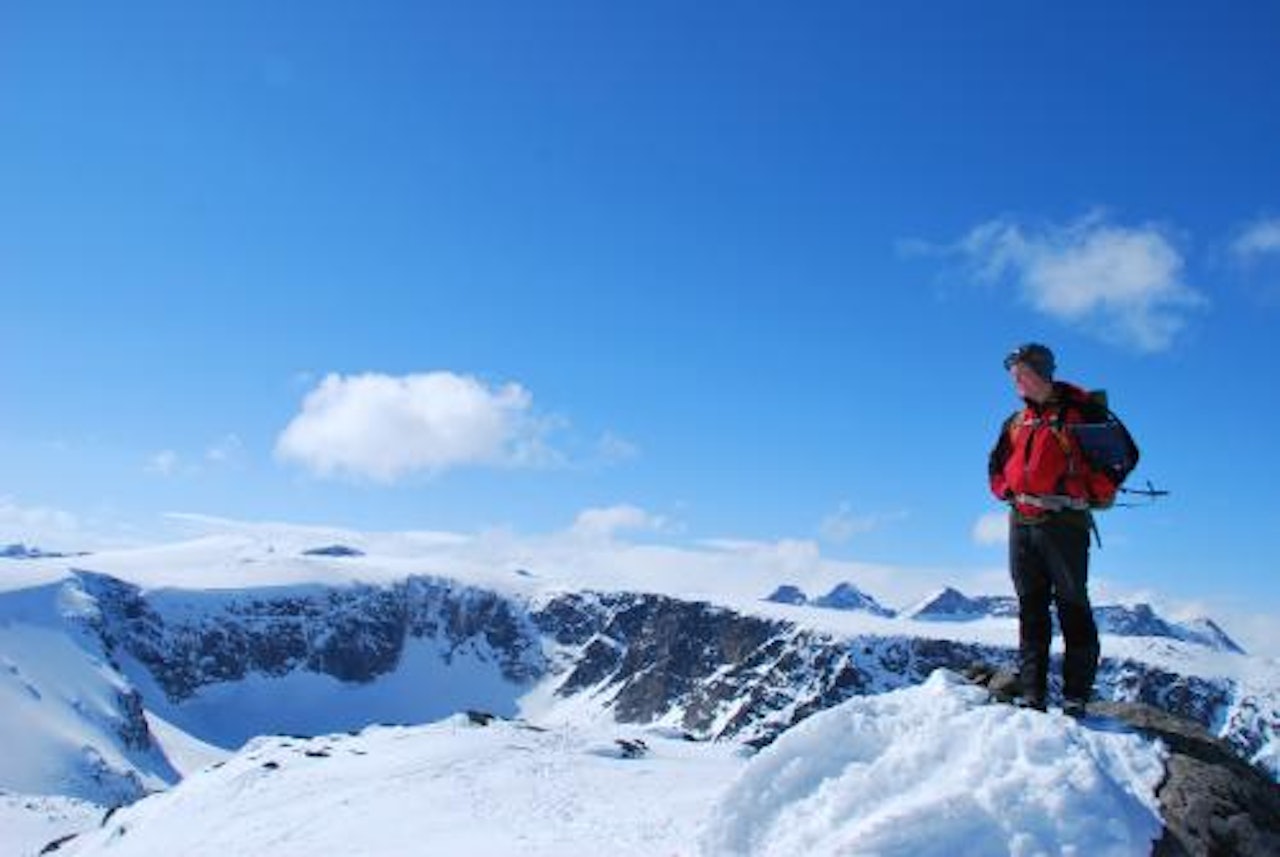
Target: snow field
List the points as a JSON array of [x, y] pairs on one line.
[[449, 788], [931, 770]]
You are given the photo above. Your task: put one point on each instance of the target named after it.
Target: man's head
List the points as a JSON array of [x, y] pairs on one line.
[[1031, 367]]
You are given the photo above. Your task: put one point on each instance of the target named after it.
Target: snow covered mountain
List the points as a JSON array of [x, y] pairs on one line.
[[1123, 620], [107, 674], [843, 596], [952, 604]]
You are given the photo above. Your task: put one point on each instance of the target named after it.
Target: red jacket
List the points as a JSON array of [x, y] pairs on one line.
[[1037, 457]]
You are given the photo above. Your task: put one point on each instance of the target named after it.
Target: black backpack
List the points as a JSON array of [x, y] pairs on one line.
[[1104, 439]]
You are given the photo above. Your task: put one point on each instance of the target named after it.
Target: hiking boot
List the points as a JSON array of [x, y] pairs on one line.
[[1030, 702], [1075, 708]]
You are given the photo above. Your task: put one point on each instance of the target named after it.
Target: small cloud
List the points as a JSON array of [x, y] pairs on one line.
[[228, 450], [1256, 253], [992, 529], [603, 523], [614, 449], [842, 524], [385, 427], [58, 530], [164, 463], [1123, 284], [1258, 239], [39, 525]]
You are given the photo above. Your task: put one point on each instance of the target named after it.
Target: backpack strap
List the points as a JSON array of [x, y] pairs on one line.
[[1057, 428]]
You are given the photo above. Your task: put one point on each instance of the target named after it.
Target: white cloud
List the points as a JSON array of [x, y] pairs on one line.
[[992, 529], [614, 449], [35, 525], [58, 530], [1124, 284], [603, 523], [842, 525], [1256, 252], [163, 463], [384, 427], [1260, 238], [226, 450]]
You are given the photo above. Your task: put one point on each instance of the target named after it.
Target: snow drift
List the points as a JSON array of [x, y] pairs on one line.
[[938, 770]]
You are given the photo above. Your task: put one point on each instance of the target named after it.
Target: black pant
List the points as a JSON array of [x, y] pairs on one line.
[[1050, 562]]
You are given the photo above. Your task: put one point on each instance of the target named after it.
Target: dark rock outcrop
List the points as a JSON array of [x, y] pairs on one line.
[[1211, 801], [846, 596], [750, 678], [788, 594], [337, 551], [355, 633]]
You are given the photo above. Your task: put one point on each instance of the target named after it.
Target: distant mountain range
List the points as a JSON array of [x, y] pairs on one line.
[[951, 605], [22, 551], [843, 596]]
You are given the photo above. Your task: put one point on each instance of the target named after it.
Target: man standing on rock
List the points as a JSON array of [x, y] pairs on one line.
[[1039, 469]]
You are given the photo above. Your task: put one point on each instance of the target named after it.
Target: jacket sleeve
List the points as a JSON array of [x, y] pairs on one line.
[[995, 463]]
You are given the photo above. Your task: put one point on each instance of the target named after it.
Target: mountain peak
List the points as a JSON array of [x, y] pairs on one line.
[[846, 596], [788, 594]]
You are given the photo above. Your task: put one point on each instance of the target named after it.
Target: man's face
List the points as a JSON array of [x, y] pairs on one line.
[[1029, 385]]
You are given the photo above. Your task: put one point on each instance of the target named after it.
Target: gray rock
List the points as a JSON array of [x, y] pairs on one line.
[[1211, 801]]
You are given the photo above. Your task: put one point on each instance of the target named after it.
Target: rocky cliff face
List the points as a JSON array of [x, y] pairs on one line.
[[708, 670], [188, 640], [722, 674]]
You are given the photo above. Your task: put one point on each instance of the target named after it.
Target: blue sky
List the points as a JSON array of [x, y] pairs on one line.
[[735, 271]]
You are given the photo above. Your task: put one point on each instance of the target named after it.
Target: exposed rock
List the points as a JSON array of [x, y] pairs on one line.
[[632, 748], [334, 551], [1211, 801], [354, 633], [846, 596], [479, 718], [953, 605], [1121, 620], [20, 551], [56, 845], [788, 594]]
